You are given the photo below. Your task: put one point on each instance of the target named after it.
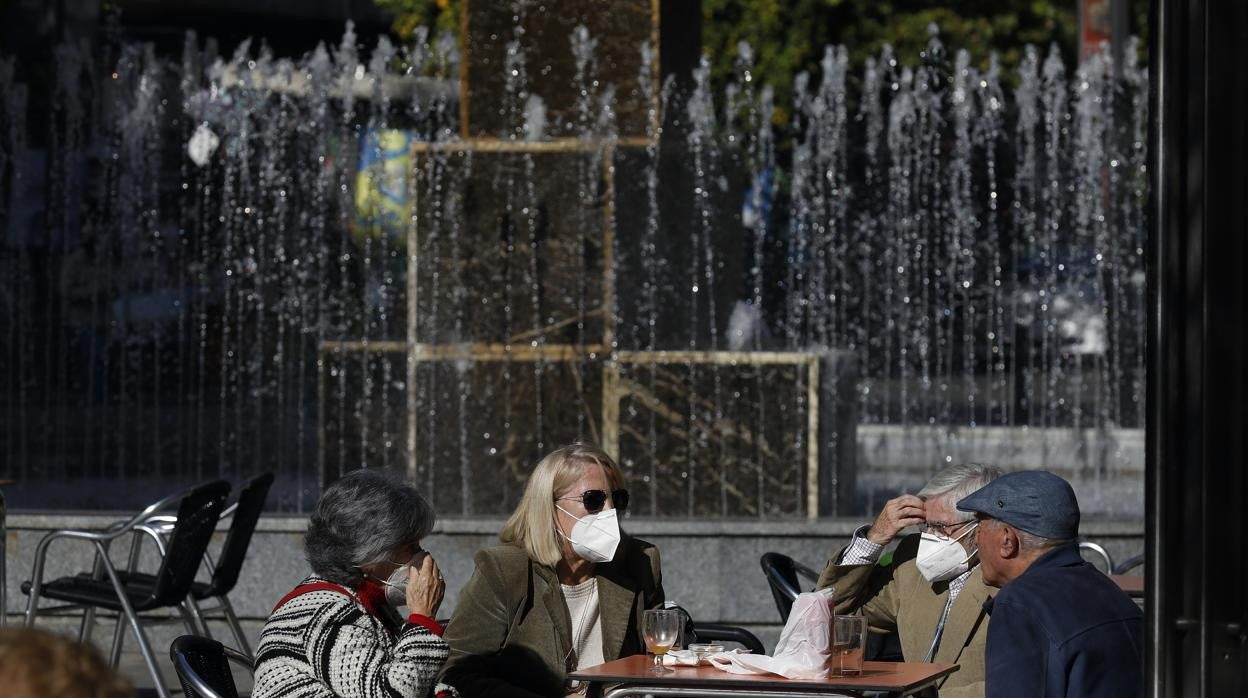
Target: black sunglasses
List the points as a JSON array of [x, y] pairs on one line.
[[595, 500]]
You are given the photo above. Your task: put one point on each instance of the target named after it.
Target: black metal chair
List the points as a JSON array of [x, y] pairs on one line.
[[182, 551], [782, 574], [203, 667], [246, 514], [717, 632]]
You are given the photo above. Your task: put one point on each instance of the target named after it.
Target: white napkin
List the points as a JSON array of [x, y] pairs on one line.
[[690, 658]]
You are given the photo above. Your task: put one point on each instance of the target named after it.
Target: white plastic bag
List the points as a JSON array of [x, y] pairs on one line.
[[804, 646]]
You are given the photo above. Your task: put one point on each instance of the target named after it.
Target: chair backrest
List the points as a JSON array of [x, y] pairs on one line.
[[197, 517], [250, 503], [715, 632], [203, 667], [782, 576]]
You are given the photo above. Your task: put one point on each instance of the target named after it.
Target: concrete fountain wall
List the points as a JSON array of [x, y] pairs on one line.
[[709, 567]]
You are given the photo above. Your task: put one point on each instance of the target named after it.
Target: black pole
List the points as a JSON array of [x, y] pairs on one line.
[[1197, 560]]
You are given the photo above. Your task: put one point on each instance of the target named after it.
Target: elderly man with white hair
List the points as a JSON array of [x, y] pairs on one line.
[[932, 592]]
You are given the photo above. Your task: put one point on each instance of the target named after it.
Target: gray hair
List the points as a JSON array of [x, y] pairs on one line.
[[360, 520], [1028, 542], [958, 481]]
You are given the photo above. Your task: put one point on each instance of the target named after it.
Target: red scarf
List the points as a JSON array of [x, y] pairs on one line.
[[373, 595]]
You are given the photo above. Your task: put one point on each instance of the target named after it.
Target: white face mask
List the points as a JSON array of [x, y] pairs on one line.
[[396, 586], [940, 559], [396, 583], [595, 537]]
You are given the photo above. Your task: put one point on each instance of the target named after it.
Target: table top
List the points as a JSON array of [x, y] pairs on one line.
[[898, 677], [1133, 584]]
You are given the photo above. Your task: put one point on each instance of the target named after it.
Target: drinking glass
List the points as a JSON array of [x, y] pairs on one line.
[[849, 635], [660, 627]]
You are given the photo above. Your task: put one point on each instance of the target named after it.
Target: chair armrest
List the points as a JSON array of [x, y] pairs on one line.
[[151, 510], [731, 633], [239, 658], [1129, 564], [165, 521], [1098, 550], [187, 673], [805, 571], [100, 538], [156, 534]]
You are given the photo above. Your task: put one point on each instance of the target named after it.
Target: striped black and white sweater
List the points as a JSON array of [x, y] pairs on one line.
[[326, 640]]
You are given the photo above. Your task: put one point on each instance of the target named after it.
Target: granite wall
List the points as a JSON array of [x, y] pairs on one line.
[[709, 567]]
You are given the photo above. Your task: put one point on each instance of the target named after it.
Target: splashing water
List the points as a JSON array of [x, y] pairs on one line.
[[973, 253]]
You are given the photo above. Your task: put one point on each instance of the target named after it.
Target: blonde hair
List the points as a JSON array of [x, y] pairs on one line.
[[532, 525], [36, 663]]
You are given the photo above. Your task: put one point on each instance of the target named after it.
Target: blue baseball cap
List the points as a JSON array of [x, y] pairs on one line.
[[1035, 501]]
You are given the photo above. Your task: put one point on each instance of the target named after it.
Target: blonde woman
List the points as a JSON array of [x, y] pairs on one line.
[[564, 590]]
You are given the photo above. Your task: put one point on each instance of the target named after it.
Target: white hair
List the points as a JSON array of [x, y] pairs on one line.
[[958, 481]]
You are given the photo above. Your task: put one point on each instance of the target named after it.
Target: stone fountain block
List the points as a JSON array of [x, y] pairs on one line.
[[735, 437], [511, 247], [747, 434], [481, 421], [736, 433], [665, 249], [362, 400]]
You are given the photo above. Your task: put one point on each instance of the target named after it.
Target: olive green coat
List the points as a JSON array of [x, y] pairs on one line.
[[897, 597], [511, 630]]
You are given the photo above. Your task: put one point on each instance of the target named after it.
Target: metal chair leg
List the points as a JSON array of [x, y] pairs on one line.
[[119, 631], [36, 583], [193, 619], [88, 614], [145, 647], [119, 636], [240, 638]]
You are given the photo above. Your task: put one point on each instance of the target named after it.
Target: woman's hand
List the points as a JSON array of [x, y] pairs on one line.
[[425, 587]]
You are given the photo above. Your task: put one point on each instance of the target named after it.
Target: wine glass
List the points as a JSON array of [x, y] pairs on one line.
[[661, 627]]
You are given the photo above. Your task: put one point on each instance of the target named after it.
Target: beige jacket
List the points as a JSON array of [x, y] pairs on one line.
[[511, 631], [898, 597]]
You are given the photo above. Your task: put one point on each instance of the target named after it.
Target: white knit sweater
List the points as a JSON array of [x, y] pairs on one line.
[[324, 643]]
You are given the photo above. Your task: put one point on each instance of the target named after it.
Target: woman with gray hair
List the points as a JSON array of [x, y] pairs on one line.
[[565, 590], [339, 633]]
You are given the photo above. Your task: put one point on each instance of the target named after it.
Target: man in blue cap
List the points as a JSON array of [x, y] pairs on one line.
[[1059, 626]]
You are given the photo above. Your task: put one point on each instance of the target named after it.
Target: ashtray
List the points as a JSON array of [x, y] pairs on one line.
[[705, 649]]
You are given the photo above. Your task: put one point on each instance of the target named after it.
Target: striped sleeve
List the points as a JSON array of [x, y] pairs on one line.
[[323, 643]]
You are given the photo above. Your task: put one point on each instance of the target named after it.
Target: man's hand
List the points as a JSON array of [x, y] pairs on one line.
[[906, 510]]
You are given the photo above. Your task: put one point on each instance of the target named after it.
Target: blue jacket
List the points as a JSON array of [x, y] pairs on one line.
[[1063, 628]]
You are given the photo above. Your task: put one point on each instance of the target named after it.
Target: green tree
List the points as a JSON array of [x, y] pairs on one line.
[[437, 15], [788, 36]]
